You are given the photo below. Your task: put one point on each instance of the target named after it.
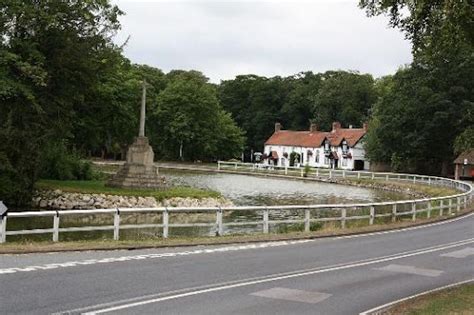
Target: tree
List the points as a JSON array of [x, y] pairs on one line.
[[189, 123], [51, 56], [344, 96], [442, 34]]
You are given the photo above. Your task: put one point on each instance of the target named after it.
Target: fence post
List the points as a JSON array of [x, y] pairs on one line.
[[235, 165], [343, 174], [117, 224], [302, 173], [307, 215], [428, 214], [441, 207], [450, 206], [429, 180], [343, 218], [165, 223], [286, 170], [265, 221], [458, 204], [465, 202], [394, 212], [220, 228], [218, 165], [386, 177], [414, 179], [372, 215], [413, 210], [3, 228], [317, 172], [56, 227], [358, 174], [330, 173], [373, 175]]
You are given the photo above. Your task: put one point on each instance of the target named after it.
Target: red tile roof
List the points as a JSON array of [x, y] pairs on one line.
[[316, 138]]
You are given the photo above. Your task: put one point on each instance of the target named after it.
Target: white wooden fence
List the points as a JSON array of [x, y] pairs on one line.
[[342, 213]]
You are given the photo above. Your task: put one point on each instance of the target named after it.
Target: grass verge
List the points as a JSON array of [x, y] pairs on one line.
[[47, 246], [98, 187], [456, 300]]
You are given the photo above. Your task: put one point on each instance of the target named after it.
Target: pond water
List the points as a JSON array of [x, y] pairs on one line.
[[253, 190], [240, 189]]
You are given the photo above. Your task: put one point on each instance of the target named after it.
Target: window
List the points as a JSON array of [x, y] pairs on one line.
[[345, 148], [326, 161], [326, 146], [344, 162], [316, 157]]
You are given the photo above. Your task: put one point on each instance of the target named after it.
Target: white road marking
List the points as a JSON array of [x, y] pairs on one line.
[[286, 276], [149, 256], [292, 295], [462, 253], [381, 308], [411, 270]]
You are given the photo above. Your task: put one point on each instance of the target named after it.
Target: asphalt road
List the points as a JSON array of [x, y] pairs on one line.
[[345, 275]]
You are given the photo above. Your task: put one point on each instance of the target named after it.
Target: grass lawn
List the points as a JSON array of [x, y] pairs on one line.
[[457, 300], [98, 187]]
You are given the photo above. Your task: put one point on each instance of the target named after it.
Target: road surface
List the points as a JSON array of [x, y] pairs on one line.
[[340, 275]]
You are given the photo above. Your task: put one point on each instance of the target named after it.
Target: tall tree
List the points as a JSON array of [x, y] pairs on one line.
[[51, 56], [189, 123], [442, 34]]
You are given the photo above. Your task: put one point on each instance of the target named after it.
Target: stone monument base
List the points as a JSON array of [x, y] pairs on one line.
[[139, 170]]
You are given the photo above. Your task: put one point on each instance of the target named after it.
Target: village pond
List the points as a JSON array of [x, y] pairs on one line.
[[242, 190]]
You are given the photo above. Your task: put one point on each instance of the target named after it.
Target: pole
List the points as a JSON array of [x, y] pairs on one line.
[[141, 132]]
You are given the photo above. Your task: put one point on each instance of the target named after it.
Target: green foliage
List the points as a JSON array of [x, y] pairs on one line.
[[465, 141], [98, 187], [256, 103], [189, 123], [52, 55], [345, 97], [58, 163], [424, 108], [306, 170]]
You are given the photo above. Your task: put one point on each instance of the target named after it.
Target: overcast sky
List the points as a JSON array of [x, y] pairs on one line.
[[225, 38]]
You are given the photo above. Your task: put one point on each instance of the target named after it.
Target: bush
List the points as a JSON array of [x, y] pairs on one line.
[[58, 163]]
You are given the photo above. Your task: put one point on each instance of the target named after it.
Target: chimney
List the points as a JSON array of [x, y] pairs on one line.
[[313, 127], [277, 127], [336, 125], [365, 126]]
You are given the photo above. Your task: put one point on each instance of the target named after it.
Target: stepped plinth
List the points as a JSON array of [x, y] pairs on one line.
[[139, 171]]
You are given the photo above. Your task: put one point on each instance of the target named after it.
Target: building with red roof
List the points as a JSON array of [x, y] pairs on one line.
[[339, 148]]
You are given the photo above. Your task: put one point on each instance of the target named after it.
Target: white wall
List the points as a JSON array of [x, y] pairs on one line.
[[357, 153]]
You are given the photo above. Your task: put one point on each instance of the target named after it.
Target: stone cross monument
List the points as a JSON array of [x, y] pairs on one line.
[[139, 170]]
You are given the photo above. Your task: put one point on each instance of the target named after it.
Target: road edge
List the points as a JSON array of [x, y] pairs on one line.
[[385, 307]]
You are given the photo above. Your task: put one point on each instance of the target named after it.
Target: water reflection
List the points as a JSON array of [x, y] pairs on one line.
[[252, 190]]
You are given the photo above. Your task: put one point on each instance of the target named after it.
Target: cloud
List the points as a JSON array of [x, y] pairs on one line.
[[227, 38]]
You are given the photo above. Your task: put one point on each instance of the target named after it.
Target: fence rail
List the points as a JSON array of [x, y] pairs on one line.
[[317, 213]]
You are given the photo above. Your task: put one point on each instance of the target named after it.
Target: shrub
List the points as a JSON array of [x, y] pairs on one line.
[[58, 163]]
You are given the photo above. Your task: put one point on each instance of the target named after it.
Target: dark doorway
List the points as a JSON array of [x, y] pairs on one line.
[[358, 165]]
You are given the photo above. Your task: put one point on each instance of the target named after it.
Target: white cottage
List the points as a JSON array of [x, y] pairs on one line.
[[339, 148]]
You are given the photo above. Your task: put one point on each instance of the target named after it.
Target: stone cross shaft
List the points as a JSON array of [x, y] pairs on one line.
[[141, 132]]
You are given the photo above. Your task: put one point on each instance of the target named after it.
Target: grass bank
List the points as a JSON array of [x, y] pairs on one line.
[[98, 187], [421, 188], [456, 300]]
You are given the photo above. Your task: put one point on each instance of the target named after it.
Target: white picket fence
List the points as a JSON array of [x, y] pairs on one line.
[[342, 213]]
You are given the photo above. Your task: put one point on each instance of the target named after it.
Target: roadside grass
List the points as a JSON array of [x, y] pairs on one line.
[[317, 230], [457, 300], [98, 187]]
